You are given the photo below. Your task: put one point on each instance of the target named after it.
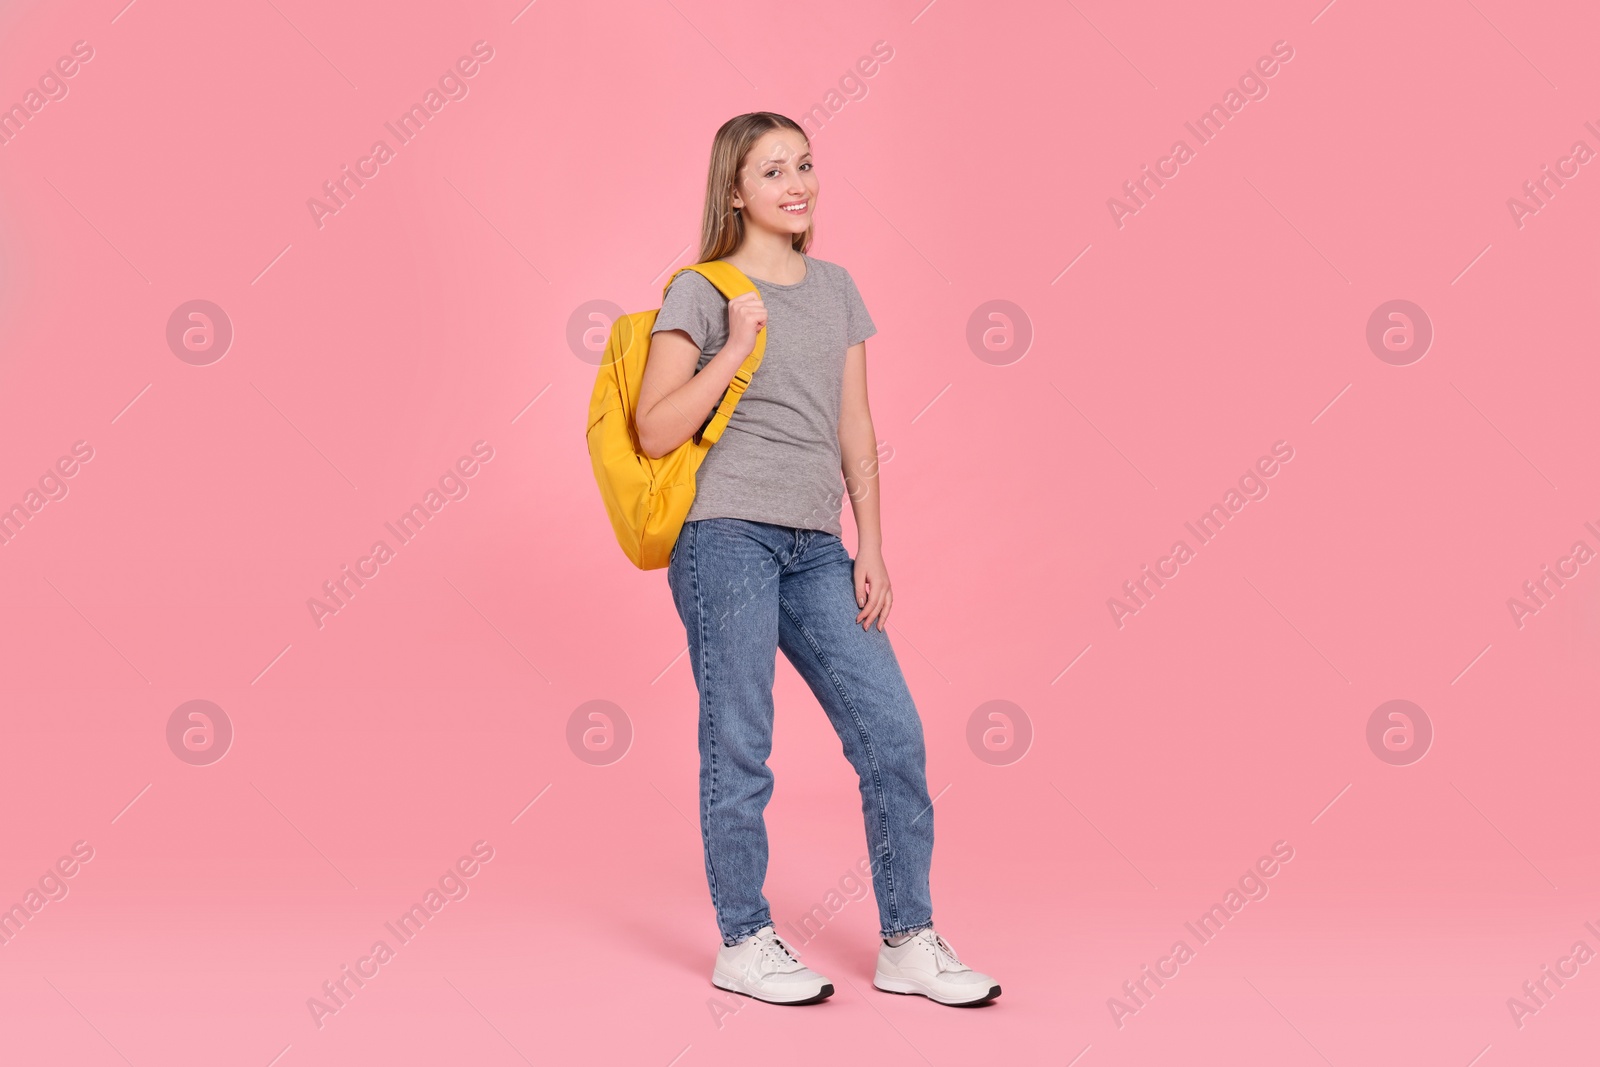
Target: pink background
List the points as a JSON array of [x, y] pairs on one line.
[[974, 165]]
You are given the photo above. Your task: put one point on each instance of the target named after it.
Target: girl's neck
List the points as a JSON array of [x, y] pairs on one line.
[[772, 261]]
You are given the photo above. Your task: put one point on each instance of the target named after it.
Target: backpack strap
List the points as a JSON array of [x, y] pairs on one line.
[[730, 282]]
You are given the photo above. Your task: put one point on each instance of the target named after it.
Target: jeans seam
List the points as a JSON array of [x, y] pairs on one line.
[[711, 733], [872, 756], [906, 929], [741, 936]]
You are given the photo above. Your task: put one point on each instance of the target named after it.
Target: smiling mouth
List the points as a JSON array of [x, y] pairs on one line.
[[796, 209]]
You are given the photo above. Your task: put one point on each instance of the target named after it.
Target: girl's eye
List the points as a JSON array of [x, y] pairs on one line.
[[775, 170]]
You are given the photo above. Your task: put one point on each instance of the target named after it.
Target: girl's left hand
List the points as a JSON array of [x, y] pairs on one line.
[[873, 596]]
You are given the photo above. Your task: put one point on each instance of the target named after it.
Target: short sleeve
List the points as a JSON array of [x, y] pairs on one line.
[[859, 325], [692, 304]]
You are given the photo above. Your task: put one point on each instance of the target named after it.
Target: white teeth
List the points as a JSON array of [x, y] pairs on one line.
[[797, 208]]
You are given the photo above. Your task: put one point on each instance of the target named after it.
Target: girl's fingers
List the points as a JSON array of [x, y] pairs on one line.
[[875, 609]]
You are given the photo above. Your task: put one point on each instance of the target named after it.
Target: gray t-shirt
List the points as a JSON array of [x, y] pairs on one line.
[[778, 459]]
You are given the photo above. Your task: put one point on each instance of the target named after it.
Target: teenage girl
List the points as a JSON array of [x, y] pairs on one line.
[[759, 565]]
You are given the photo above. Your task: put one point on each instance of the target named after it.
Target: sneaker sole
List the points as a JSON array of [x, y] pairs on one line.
[[904, 987], [823, 994]]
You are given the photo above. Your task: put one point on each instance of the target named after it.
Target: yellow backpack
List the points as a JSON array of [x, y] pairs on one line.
[[648, 499]]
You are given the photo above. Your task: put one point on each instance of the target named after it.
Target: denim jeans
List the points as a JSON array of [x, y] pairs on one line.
[[745, 589]]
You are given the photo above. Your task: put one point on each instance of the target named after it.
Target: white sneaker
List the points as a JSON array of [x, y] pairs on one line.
[[926, 964], [762, 966]]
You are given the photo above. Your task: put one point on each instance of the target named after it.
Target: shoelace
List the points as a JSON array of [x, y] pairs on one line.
[[942, 951], [773, 949]]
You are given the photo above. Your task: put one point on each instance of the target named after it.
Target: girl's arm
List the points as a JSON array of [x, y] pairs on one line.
[[858, 453], [673, 399]]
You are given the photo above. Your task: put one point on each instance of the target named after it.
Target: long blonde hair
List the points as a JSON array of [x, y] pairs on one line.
[[721, 227]]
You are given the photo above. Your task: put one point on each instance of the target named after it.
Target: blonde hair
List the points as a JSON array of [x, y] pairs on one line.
[[721, 227]]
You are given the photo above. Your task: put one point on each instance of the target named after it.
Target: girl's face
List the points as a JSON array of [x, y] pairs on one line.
[[777, 187]]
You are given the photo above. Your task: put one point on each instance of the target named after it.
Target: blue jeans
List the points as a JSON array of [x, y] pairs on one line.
[[745, 589]]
